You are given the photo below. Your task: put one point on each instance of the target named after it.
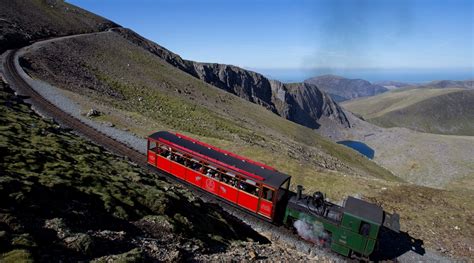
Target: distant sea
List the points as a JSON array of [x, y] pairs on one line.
[[372, 75]]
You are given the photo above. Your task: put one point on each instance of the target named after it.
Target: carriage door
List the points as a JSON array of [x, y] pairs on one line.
[[266, 202], [152, 152]]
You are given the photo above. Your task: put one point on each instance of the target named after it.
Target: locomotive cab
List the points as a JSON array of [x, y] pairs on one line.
[[359, 227]]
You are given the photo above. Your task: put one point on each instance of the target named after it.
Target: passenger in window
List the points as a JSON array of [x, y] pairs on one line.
[[233, 182], [252, 190], [224, 179]]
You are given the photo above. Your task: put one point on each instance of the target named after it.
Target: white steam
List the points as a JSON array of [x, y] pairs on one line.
[[313, 232]]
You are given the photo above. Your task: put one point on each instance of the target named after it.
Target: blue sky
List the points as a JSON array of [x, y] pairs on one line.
[[295, 34]]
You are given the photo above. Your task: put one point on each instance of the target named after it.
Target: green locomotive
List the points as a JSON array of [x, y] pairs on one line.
[[350, 230]]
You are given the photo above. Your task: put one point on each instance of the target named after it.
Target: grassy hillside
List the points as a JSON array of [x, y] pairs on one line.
[[442, 111], [25, 21], [66, 199], [117, 75], [63, 198]]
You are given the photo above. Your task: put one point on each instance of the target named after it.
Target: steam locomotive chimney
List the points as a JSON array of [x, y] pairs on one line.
[[299, 190]]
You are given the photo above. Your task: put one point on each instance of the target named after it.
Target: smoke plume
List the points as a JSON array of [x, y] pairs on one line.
[[313, 232]]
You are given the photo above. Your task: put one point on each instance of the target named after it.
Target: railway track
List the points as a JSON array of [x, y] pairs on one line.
[[273, 232]]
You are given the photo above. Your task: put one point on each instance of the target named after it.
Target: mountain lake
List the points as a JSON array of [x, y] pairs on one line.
[[361, 147]]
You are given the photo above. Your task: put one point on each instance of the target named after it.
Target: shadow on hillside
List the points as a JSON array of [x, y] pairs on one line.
[[24, 209], [27, 205], [392, 245]]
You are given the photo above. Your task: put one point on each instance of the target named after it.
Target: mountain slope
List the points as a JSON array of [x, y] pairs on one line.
[[342, 89], [442, 111], [310, 111], [24, 21], [109, 69]]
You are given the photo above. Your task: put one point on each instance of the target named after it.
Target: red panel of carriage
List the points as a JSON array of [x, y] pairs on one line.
[[163, 163], [228, 192], [178, 170], [152, 158], [266, 208], [248, 201], [194, 177]]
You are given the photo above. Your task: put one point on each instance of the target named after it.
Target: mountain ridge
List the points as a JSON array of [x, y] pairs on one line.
[[442, 84], [254, 87], [341, 88]]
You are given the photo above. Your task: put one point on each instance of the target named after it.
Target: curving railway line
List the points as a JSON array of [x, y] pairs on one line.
[[44, 106], [64, 118]]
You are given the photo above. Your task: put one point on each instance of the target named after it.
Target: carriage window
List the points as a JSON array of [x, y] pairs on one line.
[[267, 194], [179, 158], [229, 178], [164, 151], [152, 145], [195, 165], [249, 186], [210, 171]]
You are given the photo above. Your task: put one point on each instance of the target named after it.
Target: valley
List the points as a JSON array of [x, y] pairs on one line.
[[421, 137]]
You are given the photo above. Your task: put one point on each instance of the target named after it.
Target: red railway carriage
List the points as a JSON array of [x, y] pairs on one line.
[[251, 185]]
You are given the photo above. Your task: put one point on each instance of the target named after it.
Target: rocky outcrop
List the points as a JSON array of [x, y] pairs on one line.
[[307, 105], [302, 103], [342, 89]]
